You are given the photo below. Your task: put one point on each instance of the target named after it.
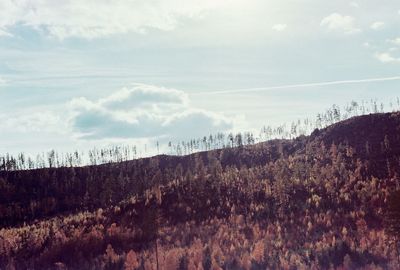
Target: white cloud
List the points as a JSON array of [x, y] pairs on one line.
[[141, 95], [377, 25], [395, 41], [386, 57], [96, 18], [143, 111], [2, 81], [33, 122], [308, 85], [279, 27], [4, 33], [340, 23]]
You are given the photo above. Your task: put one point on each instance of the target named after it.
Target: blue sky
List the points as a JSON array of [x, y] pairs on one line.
[[75, 74]]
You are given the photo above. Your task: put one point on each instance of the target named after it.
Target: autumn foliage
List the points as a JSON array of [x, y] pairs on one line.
[[324, 201]]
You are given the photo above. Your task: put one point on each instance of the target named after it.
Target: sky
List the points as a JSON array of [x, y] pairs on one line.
[[76, 74]]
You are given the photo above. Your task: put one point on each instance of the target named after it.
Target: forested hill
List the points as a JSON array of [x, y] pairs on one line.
[[30, 194], [367, 134], [317, 201], [372, 138]]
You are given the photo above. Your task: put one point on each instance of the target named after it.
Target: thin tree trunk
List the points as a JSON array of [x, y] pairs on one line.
[[157, 253]]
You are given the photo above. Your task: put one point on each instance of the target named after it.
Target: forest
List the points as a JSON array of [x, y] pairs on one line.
[[328, 200]]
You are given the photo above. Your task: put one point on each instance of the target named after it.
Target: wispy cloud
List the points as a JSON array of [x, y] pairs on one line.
[[354, 4], [395, 41], [377, 25], [92, 19], [386, 57], [279, 27], [2, 81], [289, 86], [4, 33], [340, 23]]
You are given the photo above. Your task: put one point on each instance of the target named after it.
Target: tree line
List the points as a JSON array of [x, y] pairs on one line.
[[118, 153]]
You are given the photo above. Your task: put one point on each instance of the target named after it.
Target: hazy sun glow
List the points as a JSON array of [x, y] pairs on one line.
[[299, 52]]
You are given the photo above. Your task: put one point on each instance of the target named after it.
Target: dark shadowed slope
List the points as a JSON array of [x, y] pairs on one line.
[[26, 195], [316, 202]]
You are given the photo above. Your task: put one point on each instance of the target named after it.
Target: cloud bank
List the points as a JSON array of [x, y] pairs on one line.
[[96, 18], [143, 111]]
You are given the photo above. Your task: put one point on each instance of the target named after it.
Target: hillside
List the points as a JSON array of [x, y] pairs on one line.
[[315, 202]]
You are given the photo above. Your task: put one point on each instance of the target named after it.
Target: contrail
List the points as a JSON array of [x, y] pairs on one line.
[[245, 90]]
